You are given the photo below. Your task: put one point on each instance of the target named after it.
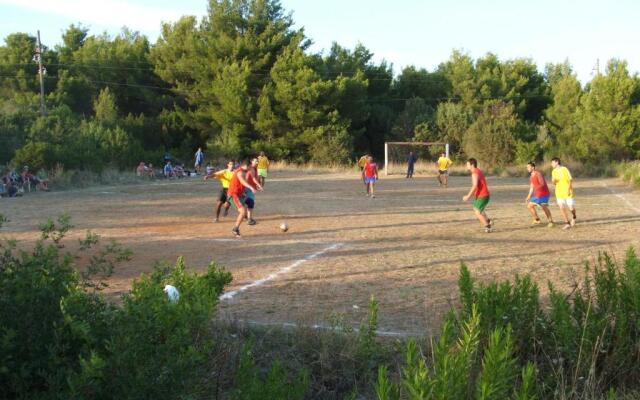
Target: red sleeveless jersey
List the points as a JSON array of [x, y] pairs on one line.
[[235, 186], [482, 190]]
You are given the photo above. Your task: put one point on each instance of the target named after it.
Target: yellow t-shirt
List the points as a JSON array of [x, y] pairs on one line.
[[562, 179], [224, 177], [263, 162], [362, 161], [444, 163]]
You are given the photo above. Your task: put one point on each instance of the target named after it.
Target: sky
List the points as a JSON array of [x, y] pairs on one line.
[[402, 32]]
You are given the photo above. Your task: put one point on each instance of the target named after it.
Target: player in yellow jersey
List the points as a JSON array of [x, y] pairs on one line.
[[361, 163], [263, 167], [561, 177], [443, 165], [224, 176]]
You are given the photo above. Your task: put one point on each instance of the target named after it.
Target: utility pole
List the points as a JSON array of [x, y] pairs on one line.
[[41, 73], [597, 67]]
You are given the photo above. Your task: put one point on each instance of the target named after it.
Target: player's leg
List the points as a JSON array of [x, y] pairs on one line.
[[479, 206], [565, 213], [571, 204], [445, 178], [222, 200], [250, 202], [531, 206], [372, 183], [239, 203]]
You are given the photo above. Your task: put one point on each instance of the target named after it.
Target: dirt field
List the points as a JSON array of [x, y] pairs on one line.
[[405, 246]]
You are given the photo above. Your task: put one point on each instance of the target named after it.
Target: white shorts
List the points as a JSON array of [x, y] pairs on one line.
[[570, 202]]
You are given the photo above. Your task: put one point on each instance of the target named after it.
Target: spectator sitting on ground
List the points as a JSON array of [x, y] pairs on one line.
[[168, 170], [10, 187], [141, 169], [151, 173], [210, 169], [39, 184], [178, 171]]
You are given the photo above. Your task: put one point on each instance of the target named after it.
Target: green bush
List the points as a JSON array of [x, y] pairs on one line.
[[583, 346]]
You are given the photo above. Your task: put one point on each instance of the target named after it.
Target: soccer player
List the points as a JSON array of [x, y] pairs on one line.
[[236, 194], [480, 191], [561, 177], [411, 160], [263, 167], [443, 165], [199, 160], [252, 176], [224, 176], [370, 176], [538, 195]]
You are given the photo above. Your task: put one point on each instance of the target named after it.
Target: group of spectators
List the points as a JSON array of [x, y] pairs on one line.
[[14, 184]]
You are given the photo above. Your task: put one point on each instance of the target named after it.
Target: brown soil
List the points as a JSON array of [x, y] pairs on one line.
[[405, 246]]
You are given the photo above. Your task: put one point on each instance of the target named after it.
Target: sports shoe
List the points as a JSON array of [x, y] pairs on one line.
[[573, 222], [490, 222], [251, 222], [566, 226], [487, 230], [536, 222], [373, 196], [550, 224], [215, 220], [236, 232]]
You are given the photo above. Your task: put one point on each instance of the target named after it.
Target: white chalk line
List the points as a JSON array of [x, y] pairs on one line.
[[621, 196], [320, 327], [270, 277]]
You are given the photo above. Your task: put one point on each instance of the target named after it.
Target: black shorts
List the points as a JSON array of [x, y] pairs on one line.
[[441, 172], [223, 196]]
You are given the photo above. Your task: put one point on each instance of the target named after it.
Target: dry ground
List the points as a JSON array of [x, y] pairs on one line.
[[405, 246]]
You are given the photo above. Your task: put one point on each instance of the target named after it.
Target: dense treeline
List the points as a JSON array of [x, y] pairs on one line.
[[242, 79]]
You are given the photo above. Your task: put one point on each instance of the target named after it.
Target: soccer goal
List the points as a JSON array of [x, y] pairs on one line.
[[396, 155]]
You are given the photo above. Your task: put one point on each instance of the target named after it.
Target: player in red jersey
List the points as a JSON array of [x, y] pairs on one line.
[[370, 175], [480, 191], [237, 196], [538, 195]]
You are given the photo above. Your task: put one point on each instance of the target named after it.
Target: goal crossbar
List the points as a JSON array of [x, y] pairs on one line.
[[386, 150]]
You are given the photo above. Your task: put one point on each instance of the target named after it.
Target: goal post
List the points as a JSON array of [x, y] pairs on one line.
[[425, 147]]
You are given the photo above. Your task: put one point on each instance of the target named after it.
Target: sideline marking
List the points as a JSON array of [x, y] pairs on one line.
[[321, 327], [621, 196], [296, 264]]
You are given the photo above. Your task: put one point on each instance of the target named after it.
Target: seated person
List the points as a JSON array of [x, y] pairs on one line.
[[168, 170], [39, 184], [150, 172], [178, 171], [141, 169]]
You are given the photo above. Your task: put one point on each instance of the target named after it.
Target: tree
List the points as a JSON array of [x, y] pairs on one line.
[[490, 139], [607, 123], [452, 121], [105, 108]]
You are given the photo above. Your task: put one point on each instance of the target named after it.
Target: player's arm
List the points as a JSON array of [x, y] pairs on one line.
[[530, 192], [375, 171], [474, 187]]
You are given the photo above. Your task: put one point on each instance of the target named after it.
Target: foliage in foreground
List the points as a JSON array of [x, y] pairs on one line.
[[502, 344], [59, 337]]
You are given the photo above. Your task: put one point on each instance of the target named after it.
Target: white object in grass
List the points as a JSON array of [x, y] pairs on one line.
[[284, 227], [172, 293]]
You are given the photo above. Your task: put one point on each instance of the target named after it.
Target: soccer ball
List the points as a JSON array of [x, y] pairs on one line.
[[284, 227]]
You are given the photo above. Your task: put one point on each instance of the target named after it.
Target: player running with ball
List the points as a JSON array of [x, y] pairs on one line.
[[480, 191], [237, 195]]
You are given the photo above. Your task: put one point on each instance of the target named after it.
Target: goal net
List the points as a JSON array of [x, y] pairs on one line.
[[396, 156]]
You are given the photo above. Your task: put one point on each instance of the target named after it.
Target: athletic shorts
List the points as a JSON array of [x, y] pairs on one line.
[[238, 200], [443, 172], [250, 198], [262, 172], [570, 202], [369, 179], [480, 203], [543, 200], [223, 195]]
